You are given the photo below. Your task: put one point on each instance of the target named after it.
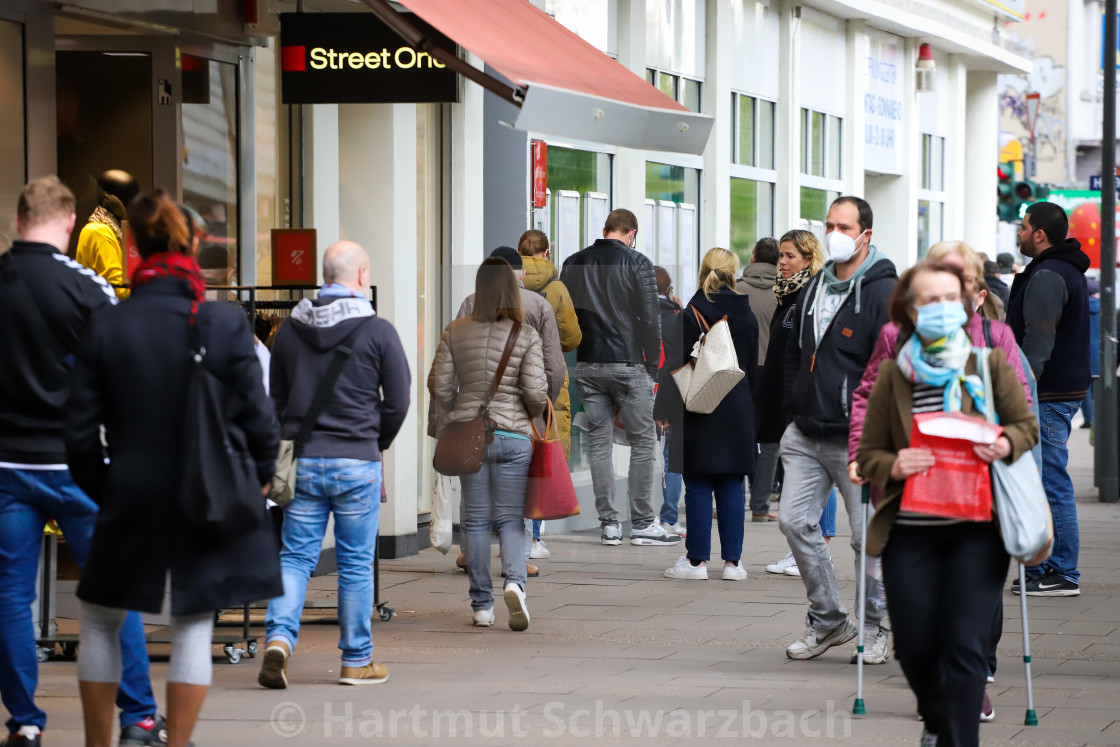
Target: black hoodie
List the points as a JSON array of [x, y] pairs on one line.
[[372, 395], [1049, 313]]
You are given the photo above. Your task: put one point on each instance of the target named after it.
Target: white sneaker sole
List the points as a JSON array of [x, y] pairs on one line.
[[612, 542], [483, 623], [684, 577], [651, 541], [355, 681], [518, 614], [735, 575]]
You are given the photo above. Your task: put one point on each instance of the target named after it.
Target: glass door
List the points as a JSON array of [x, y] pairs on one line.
[[13, 146]]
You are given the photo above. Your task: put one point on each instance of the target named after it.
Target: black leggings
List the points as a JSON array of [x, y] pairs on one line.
[[944, 585]]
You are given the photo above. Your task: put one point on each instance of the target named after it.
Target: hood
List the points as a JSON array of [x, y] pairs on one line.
[[759, 275], [538, 273], [1069, 252], [325, 322], [667, 305]]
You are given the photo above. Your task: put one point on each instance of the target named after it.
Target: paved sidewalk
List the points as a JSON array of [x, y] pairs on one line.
[[617, 654]]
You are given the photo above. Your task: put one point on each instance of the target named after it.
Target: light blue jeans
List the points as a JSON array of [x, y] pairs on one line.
[[351, 490], [1054, 429], [494, 498]]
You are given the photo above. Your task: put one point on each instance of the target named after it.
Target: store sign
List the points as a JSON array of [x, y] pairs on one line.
[[354, 58], [294, 256], [883, 107], [540, 174]]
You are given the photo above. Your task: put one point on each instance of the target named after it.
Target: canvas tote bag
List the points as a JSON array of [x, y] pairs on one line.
[[714, 369]]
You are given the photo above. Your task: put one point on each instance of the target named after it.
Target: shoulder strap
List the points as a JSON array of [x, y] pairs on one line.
[[700, 320], [984, 356], [25, 299], [987, 324], [325, 391], [506, 353], [550, 282]]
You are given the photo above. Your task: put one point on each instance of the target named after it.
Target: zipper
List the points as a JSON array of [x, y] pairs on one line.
[[844, 398]]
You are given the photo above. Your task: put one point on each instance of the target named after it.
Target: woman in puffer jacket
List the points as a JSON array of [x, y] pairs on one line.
[[466, 362]]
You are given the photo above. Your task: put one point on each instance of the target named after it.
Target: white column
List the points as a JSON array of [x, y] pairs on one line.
[[629, 164], [715, 210], [855, 124], [956, 142], [467, 217], [322, 154], [981, 158], [376, 187], [787, 146]]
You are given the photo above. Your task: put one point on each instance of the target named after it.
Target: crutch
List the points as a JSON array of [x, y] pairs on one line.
[[1032, 717], [859, 709]]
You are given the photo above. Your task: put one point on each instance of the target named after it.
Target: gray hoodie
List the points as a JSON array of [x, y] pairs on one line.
[[758, 283]]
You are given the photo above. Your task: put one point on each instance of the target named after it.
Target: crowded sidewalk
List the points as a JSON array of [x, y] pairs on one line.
[[669, 662]]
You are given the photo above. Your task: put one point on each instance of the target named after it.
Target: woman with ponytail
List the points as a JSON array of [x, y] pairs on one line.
[[130, 382], [716, 451]]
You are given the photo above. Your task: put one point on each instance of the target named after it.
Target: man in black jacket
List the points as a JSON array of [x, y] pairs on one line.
[[615, 296], [46, 300], [841, 311], [1049, 314], [340, 467]]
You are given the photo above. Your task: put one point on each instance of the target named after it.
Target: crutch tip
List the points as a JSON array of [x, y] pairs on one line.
[[859, 709], [1031, 719]]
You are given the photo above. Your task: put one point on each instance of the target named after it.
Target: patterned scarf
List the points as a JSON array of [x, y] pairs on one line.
[[174, 265], [106, 218], [787, 286], [941, 364]]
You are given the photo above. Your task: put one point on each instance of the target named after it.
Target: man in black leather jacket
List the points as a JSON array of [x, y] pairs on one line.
[[615, 296]]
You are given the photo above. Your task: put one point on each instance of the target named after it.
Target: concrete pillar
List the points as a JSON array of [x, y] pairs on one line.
[[855, 123], [981, 157], [629, 164], [321, 169], [467, 187], [376, 187], [715, 208], [956, 142], [787, 145]]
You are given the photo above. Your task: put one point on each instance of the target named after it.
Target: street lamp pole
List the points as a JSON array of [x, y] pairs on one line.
[[1106, 422]]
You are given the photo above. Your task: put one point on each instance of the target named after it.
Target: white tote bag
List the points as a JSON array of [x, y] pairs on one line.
[[714, 369], [444, 499], [1024, 512]]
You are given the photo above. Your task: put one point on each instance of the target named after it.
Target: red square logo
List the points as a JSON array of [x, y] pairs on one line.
[[293, 59]]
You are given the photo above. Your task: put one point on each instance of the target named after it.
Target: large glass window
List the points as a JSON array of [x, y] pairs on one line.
[[685, 91], [821, 144], [752, 215], [210, 178], [13, 156], [931, 193], [753, 131]]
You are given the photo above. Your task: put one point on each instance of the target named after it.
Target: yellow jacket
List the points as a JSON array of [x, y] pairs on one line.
[[99, 250]]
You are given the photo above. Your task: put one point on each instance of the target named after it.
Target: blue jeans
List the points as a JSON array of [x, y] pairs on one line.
[[351, 490], [671, 484], [828, 516], [731, 512], [1054, 426], [537, 530], [1087, 406], [28, 500], [494, 498]]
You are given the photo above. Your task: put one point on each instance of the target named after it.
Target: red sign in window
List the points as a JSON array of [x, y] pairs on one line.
[[540, 174], [294, 256]]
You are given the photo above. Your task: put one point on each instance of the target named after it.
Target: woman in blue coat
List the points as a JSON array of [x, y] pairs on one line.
[[714, 452]]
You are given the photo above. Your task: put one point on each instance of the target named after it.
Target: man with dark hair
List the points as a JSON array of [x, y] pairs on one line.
[[841, 311], [1049, 313], [615, 294], [46, 301], [995, 283]]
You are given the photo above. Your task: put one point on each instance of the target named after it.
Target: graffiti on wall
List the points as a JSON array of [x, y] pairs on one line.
[[1048, 80]]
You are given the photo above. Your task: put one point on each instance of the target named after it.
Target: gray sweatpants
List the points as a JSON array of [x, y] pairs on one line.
[[812, 467], [605, 388]]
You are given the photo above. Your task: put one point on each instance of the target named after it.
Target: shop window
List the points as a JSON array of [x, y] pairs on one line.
[[685, 91], [753, 131], [752, 215], [931, 193], [814, 208], [821, 144], [12, 145], [930, 225], [933, 162], [673, 240]]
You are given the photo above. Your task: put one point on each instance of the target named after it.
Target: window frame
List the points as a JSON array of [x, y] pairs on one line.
[[653, 77]]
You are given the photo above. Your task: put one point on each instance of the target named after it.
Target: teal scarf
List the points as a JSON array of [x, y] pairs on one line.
[[941, 364]]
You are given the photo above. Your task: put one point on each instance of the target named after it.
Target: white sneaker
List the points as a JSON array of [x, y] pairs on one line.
[[815, 641], [612, 534], [734, 572], [484, 618], [687, 571], [539, 551], [653, 535], [876, 646], [677, 529], [518, 611], [786, 566]]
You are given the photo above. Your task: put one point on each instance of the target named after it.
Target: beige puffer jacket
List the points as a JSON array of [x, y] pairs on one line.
[[464, 368]]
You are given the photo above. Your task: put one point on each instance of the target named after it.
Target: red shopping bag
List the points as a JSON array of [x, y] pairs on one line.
[[959, 485], [550, 493]]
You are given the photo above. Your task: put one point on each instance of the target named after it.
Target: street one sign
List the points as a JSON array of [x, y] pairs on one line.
[[354, 58], [1095, 182]]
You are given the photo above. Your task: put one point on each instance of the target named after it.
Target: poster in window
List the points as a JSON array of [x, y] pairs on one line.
[[294, 257]]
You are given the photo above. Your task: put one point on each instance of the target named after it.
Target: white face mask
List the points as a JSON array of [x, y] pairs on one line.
[[841, 247]]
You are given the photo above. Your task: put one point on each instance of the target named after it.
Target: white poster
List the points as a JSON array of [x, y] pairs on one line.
[[883, 104], [687, 245], [596, 208], [647, 232], [667, 236], [567, 225]]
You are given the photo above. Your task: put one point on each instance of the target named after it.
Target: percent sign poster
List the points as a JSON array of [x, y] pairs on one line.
[[294, 256]]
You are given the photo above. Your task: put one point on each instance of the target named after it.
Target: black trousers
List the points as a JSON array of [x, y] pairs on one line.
[[944, 585]]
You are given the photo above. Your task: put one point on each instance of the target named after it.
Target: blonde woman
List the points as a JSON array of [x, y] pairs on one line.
[[715, 451]]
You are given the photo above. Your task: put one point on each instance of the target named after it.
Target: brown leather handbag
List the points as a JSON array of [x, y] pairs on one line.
[[461, 447]]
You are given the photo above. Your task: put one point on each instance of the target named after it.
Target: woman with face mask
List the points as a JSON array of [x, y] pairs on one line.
[[943, 577]]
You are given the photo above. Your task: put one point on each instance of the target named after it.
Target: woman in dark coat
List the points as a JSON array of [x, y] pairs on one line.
[[131, 379], [714, 452]]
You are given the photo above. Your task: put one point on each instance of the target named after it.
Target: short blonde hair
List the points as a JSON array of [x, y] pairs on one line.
[[718, 270], [807, 243], [43, 200]]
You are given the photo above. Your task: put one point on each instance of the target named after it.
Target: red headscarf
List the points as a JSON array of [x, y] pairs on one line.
[[175, 265]]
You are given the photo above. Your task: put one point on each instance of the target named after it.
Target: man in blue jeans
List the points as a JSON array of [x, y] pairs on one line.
[[1049, 313], [46, 301], [340, 468]]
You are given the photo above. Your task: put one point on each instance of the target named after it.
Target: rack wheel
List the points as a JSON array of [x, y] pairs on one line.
[[45, 653], [233, 654], [70, 651], [252, 649], [386, 613]]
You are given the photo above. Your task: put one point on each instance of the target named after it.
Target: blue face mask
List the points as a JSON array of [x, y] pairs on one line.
[[937, 320]]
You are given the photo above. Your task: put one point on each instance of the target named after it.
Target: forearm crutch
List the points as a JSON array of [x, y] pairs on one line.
[[1032, 717], [859, 709]]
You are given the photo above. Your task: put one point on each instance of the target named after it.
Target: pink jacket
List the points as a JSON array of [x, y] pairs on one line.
[[1002, 337]]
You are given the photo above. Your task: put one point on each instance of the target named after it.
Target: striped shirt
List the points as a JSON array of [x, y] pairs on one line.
[[926, 399]]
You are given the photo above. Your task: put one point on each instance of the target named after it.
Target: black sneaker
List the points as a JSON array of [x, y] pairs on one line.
[[1051, 585], [150, 731], [18, 740]]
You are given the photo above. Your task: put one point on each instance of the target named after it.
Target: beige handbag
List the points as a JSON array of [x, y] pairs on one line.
[[714, 369]]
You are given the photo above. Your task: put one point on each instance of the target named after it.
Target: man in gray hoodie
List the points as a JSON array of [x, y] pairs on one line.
[[758, 283]]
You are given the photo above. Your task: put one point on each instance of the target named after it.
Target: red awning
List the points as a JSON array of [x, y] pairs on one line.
[[570, 88]]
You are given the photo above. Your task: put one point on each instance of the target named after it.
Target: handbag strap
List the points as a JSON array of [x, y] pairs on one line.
[[325, 392], [506, 353], [987, 325], [984, 355], [700, 320], [550, 424]]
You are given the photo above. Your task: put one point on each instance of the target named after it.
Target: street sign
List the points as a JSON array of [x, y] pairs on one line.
[[1095, 182]]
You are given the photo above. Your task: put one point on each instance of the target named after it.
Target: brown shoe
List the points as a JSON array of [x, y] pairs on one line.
[[274, 666], [371, 674], [461, 561], [531, 571], [764, 517]]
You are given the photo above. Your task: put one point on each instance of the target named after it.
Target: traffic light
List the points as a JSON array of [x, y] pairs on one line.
[[1026, 194], [1008, 206]]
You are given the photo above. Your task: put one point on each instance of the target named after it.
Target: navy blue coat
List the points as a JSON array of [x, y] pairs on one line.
[[723, 442]]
